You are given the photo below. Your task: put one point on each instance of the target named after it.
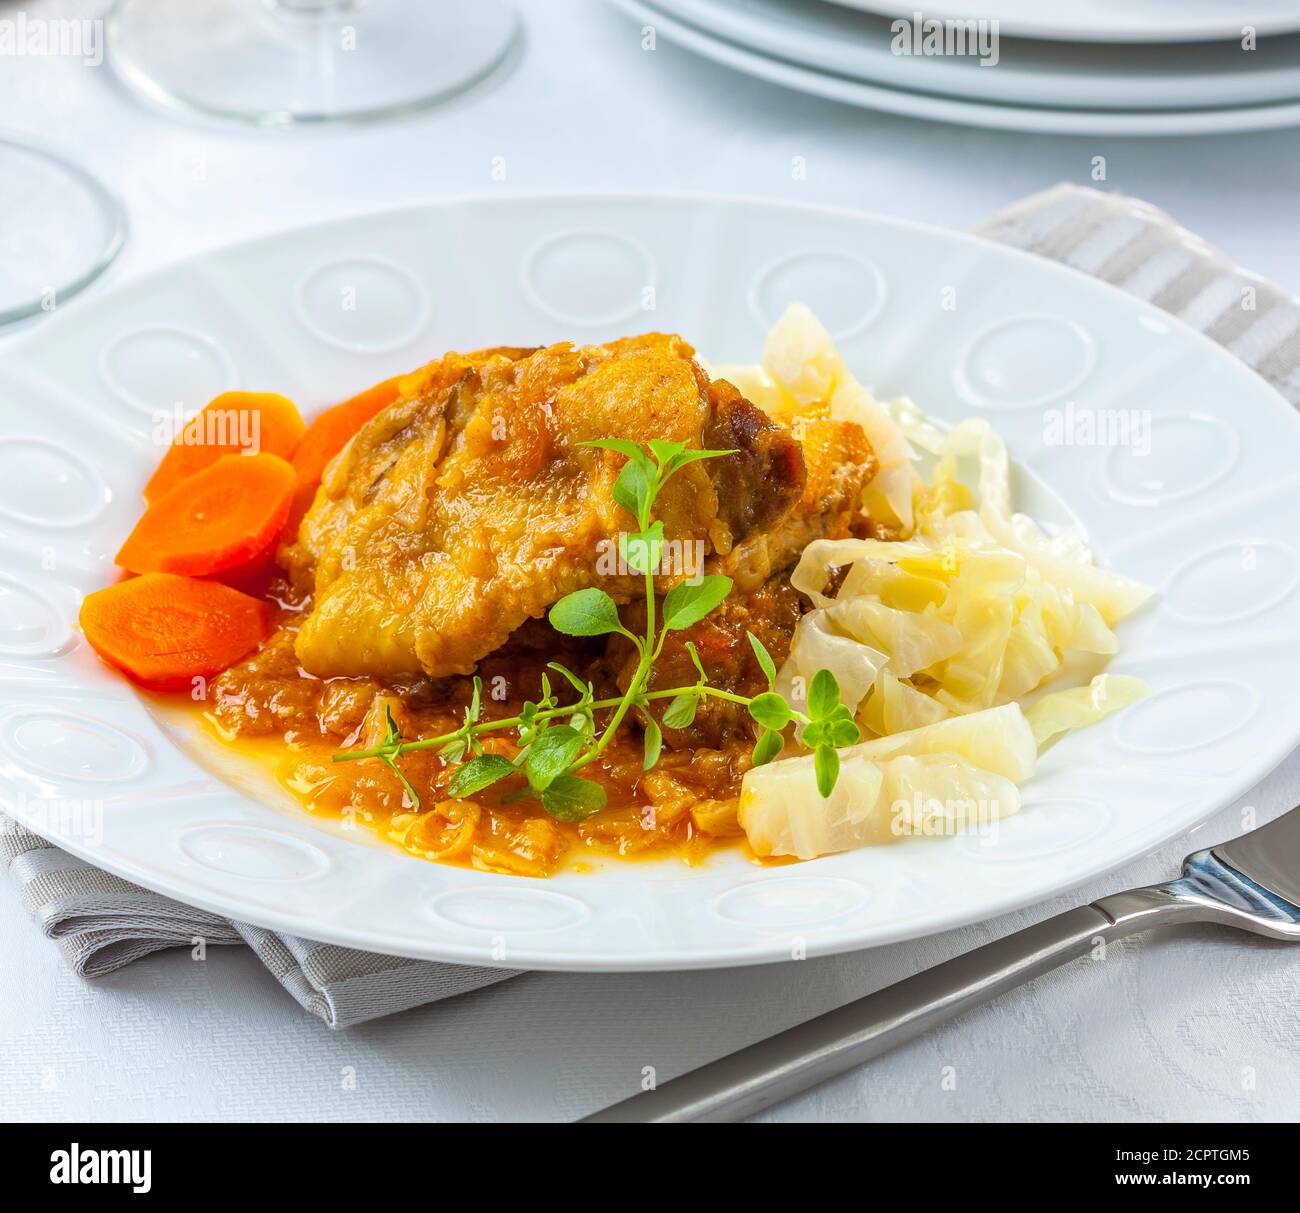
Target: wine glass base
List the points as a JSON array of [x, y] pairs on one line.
[[61, 229], [278, 62]]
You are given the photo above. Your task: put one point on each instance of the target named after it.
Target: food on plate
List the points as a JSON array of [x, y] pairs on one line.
[[470, 506], [1054, 715], [523, 604], [235, 423], [329, 432], [960, 772], [223, 518], [168, 631]]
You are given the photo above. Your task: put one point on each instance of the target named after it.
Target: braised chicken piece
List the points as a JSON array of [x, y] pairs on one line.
[[469, 506]]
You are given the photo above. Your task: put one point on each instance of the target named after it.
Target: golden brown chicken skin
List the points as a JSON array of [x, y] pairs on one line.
[[469, 507]]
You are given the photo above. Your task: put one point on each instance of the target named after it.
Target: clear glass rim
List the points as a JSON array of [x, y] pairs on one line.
[[111, 207], [137, 78]]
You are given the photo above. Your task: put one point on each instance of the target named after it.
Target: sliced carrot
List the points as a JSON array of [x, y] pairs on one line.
[[232, 423], [215, 520], [329, 433], [254, 576], [164, 631]]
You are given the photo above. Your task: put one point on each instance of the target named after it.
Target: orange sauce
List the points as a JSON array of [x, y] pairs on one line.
[[272, 711]]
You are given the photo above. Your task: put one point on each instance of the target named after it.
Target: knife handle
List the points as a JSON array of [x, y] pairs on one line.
[[765, 1073]]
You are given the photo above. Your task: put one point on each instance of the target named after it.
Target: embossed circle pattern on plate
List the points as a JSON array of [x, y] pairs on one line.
[[590, 277], [1023, 361], [160, 369], [1184, 718], [1050, 826], [30, 624], [1233, 582], [847, 293], [253, 853], [1156, 460], [509, 909], [42, 484], [363, 304], [789, 903], [63, 744]]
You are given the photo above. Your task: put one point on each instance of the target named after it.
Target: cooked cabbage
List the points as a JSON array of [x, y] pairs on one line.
[[978, 607], [818, 645], [935, 637], [961, 619], [1062, 711], [937, 779], [998, 740], [800, 355], [873, 802], [896, 706], [1063, 561], [802, 373]]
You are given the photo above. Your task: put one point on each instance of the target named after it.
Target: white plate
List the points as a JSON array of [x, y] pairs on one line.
[[1109, 20], [1042, 119], [859, 46], [1210, 516]]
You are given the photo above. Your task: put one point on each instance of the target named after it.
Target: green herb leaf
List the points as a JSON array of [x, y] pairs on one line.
[[551, 755], [837, 729], [843, 729], [764, 660], [666, 452], [823, 695], [572, 799], [826, 763], [391, 763], [632, 491], [392, 734], [680, 712], [695, 659], [479, 773], [583, 688], [685, 604], [634, 451], [815, 733], [769, 745], [654, 742], [681, 460], [393, 737], [588, 612], [770, 710], [643, 551]]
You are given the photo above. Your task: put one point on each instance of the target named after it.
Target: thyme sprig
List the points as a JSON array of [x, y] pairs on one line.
[[552, 753]]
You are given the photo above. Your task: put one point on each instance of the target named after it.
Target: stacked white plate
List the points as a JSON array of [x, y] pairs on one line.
[[1121, 67]]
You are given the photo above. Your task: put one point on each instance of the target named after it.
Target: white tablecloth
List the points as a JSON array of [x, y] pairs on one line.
[[1196, 1025]]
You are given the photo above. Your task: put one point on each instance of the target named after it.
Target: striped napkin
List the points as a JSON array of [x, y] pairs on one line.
[[1140, 249], [102, 922]]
